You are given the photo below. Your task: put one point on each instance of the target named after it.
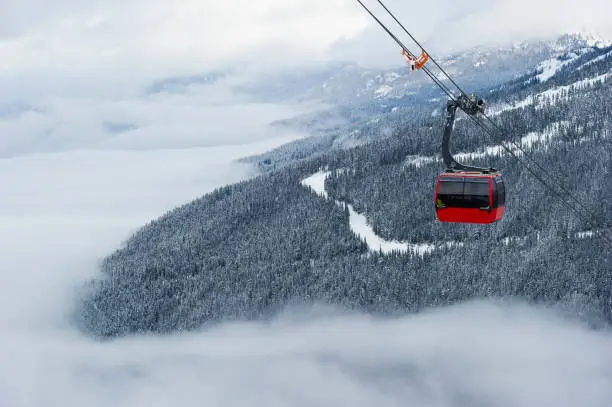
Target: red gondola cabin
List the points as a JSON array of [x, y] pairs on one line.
[[470, 197]]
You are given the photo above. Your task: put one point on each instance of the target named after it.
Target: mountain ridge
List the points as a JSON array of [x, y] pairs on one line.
[[247, 251], [349, 126]]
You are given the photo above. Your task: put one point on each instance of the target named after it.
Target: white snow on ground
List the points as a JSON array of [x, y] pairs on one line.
[[419, 160], [495, 110], [551, 66], [383, 91], [360, 226], [514, 240], [594, 60], [550, 93], [316, 182], [593, 40], [526, 142], [585, 235], [548, 96], [508, 240]]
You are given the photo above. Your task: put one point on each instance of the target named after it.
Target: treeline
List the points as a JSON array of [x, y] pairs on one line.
[[246, 251]]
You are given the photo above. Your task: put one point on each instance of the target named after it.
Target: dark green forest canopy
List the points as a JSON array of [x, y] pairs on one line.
[[247, 250]]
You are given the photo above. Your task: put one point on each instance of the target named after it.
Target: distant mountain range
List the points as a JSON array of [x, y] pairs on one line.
[[362, 100], [478, 67], [249, 250]]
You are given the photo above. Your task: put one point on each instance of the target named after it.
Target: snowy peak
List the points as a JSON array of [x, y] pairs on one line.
[[476, 67], [550, 67], [577, 40], [568, 49]]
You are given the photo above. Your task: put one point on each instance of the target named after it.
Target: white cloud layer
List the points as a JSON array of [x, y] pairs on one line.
[[201, 117], [170, 36], [61, 213], [72, 77], [73, 73], [161, 36], [445, 26]]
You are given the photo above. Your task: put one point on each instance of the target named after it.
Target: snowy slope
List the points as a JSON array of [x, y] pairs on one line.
[[556, 82], [474, 68], [528, 142], [577, 67], [550, 96], [552, 66], [360, 226]]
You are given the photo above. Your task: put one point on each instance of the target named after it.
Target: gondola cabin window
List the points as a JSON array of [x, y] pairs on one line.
[[470, 198]]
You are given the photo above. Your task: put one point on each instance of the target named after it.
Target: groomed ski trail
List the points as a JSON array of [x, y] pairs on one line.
[[361, 228]]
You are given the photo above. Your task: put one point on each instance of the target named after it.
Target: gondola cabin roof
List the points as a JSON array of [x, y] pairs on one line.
[[470, 174]]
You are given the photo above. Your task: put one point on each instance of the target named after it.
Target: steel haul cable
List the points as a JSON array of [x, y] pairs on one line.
[[486, 129], [518, 146]]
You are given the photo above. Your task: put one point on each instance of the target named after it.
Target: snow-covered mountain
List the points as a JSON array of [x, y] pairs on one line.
[[571, 63], [247, 251], [358, 99], [478, 67]]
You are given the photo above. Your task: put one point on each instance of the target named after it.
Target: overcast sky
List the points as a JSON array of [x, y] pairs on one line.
[[75, 65], [163, 36]]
